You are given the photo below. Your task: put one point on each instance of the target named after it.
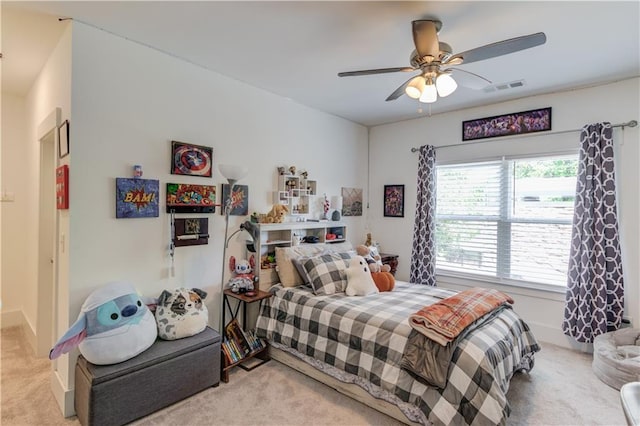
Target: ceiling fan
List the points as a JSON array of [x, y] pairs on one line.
[[435, 61]]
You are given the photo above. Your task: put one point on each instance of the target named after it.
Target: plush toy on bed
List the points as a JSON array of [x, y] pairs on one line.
[[385, 281], [181, 313], [374, 259], [243, 280], [113, 326], [359, 280]]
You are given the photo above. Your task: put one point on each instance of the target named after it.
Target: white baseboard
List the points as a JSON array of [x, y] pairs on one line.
[[11, 319], [547, 334], [64, 397]]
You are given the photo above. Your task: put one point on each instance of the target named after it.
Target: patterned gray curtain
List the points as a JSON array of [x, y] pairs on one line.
[[595, 293], [423, 255]]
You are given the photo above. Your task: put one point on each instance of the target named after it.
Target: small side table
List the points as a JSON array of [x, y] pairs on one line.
[[391, 260], [241, 302]]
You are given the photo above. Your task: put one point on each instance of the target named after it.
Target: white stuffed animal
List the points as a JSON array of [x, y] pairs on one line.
[[181, 313], [359, 280], [113, 326]]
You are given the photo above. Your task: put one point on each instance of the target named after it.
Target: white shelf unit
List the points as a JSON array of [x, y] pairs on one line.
[[274, 235], [295, 192]]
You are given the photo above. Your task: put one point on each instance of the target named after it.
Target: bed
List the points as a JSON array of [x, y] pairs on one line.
[[361, 341]]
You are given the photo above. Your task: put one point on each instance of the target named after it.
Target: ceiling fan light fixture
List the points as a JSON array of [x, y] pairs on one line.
[[415, 87], [445, 84], [429, 93]]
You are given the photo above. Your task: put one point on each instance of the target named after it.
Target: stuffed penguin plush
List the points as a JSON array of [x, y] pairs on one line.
[[113, 326], [359, 281]]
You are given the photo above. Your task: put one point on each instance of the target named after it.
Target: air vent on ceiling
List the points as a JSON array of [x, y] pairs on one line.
[[503, 86]]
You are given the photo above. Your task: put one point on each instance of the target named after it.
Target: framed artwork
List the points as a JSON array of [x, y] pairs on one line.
[[535, 120], [191, 232], [189, 159], [62, 187], [63, 139], [351, 201], [239, 199], [394, 200], [137, 198], [187, 198]]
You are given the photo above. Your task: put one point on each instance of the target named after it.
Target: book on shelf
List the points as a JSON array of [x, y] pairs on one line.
[[237, 337]]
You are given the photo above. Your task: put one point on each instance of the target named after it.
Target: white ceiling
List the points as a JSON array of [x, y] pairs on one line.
[[295, 49]]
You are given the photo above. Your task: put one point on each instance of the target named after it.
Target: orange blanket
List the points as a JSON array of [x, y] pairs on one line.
[[444, 320]]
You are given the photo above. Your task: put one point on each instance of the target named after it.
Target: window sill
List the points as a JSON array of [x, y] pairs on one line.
[[523, 288]]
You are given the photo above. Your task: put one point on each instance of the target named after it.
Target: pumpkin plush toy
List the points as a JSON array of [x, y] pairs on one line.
[[385, 281]]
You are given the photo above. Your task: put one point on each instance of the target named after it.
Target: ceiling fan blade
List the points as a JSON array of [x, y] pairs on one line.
[[399, 91], [470, 79], [425, 37], [374, 71], [500, 48]]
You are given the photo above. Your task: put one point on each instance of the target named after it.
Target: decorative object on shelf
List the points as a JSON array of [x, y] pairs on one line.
[[292, 170], [181, 313], [325, 208], [336, 203], [394, 200], [276, 214], [352, 201], [189, 159], [62, 187], [63, 139], [187, 198], [535, 120], [239, 199], [190, 232], [137, 198], [137, 171]]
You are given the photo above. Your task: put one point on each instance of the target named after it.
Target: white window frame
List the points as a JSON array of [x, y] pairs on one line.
[[504, 222]]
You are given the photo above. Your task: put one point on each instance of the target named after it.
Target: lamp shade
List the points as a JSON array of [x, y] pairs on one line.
[[429, 94], [233, 172], [336, 202], [445, 84], [415, 87]]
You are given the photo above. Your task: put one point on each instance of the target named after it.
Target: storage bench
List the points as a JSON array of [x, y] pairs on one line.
[[167, 372]]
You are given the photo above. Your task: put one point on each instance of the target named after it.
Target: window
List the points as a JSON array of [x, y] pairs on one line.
[[509, 219]]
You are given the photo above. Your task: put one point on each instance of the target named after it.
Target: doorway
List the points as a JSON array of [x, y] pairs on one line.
[[47, 235]]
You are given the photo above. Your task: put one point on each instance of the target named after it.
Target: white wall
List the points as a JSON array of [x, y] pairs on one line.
[[14, 181], [128, 103], [393, 162]]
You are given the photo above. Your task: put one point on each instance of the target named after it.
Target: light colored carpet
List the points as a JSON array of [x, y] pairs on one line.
[[561, 390]]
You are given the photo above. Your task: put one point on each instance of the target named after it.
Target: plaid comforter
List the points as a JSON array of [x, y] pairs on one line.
[[366, 337]]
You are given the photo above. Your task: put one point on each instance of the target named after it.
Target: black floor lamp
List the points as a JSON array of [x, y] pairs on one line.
[[232, 174]]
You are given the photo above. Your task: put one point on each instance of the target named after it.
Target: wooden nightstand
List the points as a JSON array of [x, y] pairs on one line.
[[391, 260], [260, 353]]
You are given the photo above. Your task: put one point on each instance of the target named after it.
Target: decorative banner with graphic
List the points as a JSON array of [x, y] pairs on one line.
[[239, 199], [137, 198], [188, 198]]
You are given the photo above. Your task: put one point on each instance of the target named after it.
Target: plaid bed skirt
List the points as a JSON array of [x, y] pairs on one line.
[[366, 337]]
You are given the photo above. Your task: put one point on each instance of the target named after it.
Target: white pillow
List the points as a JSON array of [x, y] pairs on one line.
[[181, 313]]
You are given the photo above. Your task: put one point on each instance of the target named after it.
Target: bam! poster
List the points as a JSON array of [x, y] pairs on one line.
[[137, 198]]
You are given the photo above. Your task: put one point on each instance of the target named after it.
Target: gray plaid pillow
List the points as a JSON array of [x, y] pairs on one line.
[[326, 272]]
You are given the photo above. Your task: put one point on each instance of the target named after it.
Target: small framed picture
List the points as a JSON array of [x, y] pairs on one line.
[[394, 200], [239, 199], [63, 139], [189, 159]]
